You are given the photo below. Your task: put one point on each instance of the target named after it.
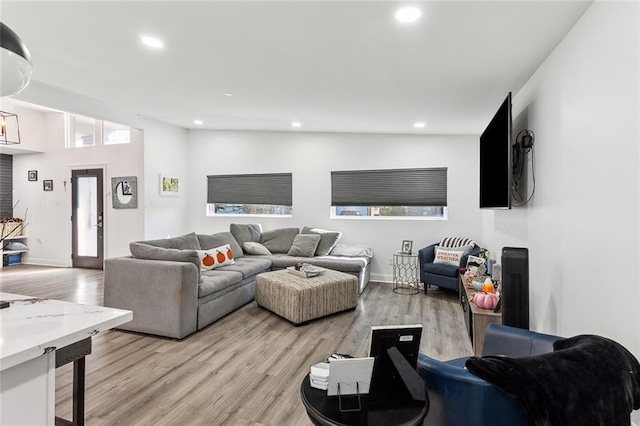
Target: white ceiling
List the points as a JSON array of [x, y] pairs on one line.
[[338, 66]]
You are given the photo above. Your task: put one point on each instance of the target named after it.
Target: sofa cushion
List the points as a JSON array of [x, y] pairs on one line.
[[441, 269], [215, 257], [184, 242], [219, 239], [251, 247], [244, 232], [145, 251], [328, 239], [248, 266], [304, 245], [213, 281], [279, 240]]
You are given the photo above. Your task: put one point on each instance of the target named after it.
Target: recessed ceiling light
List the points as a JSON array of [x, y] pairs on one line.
[[408, 14], [230, 95], [198, 122], [152, 42], [419, 124], [296, 124]]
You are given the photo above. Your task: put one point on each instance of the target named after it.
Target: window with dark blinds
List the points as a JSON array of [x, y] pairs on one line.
[[394, 187], [6, 185], [263, 189]]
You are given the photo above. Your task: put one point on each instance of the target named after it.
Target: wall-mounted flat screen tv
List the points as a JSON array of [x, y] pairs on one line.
[[495, 160]]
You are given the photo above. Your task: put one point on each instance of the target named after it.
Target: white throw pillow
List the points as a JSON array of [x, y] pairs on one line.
[[448, 256], [215, 257]]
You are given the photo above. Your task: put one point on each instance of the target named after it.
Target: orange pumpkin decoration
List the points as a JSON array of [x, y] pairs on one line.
[[229, 254], [207, 260], [488, 288], [220, 257]]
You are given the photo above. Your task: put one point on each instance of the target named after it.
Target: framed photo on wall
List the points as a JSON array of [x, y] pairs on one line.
[[407, 246], [47, 185], [169, 185], [32, 175]]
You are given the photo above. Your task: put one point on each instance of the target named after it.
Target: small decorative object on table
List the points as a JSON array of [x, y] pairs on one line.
[[407, 246], [306, 270], [475, 264]]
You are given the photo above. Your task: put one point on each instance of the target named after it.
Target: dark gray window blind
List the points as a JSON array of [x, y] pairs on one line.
[[271, 188], [6, 185], [397, 187]]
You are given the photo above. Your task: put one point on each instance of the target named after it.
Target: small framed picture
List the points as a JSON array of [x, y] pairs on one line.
[[47, 185], [475, 262], [407, 246], [169, 185], [33, 175]]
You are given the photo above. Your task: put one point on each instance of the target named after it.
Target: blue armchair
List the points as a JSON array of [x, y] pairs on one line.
[[445, 276], [457, 397]]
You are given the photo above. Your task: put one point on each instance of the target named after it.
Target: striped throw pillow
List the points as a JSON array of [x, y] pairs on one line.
[[456, 242]]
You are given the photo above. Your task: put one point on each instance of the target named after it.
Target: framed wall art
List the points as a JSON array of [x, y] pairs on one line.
[[124, 192], [169, 185]]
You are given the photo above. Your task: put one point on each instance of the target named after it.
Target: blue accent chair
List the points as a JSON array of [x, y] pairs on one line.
[[444, 276], [457, 397]]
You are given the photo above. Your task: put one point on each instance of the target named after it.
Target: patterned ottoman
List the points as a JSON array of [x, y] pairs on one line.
[[300, 299]]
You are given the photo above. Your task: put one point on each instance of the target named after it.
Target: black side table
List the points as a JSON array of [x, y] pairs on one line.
[[393, 407]]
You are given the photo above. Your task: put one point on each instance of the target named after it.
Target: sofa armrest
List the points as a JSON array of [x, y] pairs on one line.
[[163, 295], [427, 254], [449, 383], [516, 342]]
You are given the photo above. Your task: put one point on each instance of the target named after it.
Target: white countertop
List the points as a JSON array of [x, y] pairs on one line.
[[31, 327]]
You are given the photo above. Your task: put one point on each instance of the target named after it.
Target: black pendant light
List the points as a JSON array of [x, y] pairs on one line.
[[15, 62]]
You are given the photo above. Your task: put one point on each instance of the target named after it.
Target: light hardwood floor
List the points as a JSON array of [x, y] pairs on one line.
[[244, 369]]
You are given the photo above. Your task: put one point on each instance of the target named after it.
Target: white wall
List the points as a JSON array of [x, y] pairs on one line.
[[155, 146], [310, 157], [581, 228], [165, 153]]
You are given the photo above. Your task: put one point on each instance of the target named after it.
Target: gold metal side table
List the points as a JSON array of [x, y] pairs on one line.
[[406, 277]]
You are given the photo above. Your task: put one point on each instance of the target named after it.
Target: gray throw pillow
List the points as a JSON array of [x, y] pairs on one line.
[[246, 232], [328, 239], [279, 240], [304, 245], [145, 251], [251, 247], [219, 239]]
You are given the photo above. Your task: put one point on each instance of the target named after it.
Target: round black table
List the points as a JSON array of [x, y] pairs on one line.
[[393, 407]]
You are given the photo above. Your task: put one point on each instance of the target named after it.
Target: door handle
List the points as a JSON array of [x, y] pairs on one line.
[[99, 225]]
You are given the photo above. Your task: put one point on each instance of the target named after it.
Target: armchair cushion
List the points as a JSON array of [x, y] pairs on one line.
[[441, 269]]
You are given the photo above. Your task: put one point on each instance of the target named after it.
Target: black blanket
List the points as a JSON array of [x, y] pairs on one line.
[[586, 380]]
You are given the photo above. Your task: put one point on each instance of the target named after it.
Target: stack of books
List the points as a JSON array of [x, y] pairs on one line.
[[319, 375]]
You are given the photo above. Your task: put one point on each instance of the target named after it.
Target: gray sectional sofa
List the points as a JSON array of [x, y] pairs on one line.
[[164, 284]]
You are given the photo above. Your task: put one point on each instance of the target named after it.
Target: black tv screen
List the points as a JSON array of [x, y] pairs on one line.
[[495, 160]]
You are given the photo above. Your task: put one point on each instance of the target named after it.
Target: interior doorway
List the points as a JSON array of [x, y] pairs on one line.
[[87, 218]]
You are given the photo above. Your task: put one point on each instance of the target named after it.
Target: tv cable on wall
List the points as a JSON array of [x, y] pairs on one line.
[[521, 149]]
